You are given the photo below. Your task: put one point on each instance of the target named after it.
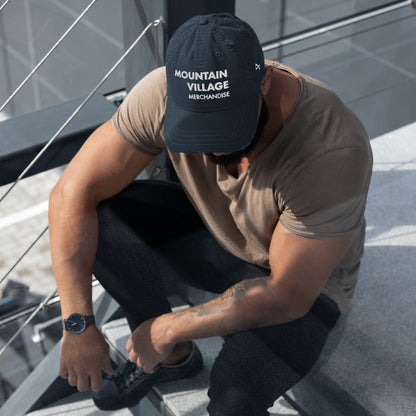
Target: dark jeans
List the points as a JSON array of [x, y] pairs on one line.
[[149, 234]]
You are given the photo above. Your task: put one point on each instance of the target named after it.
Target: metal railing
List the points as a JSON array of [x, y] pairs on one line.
[[342, 23], [47, 55], [336, 24], [155, 23]]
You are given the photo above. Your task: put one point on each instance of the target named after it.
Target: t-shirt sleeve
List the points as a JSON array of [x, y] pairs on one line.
[[327, 196], [139, 119]]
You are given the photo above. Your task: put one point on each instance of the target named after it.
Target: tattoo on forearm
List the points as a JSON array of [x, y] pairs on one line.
[[243, 286], [233, 292], [194, 312]]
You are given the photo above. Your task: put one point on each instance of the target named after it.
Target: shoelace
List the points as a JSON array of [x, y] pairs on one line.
[[127, 375]]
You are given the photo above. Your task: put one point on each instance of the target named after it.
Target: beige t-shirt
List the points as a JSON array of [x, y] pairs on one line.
[[313, 177]]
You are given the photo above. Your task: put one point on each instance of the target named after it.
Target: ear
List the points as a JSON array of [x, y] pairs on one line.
[[266, 81]]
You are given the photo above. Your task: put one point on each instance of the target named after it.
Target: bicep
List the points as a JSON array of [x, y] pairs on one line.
[[300, 266], [104, 165]]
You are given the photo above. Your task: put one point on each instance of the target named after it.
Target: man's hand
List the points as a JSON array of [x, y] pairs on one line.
[[149, 343], [83, 358]]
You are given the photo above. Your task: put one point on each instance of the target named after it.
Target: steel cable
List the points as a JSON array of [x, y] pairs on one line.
[[28, 320], [77, 110], [325, 28], [350, 35], [66, 33], [3, 5], [23, 255]]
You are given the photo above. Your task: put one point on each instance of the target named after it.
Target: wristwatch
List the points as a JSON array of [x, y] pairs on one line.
[[77, 323]]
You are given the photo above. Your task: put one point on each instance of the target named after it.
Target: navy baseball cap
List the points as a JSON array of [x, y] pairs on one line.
[[214, 69]]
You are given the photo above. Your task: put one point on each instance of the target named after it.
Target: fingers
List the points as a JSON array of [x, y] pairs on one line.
[[83, 383], [129, 344], [63, 372], [107, 367], [96, 382], [147, 367], [145, 361], [72, 378], [133, 357], [97, 379]]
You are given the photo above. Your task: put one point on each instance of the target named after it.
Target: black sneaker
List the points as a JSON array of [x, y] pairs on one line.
[[129, 383]]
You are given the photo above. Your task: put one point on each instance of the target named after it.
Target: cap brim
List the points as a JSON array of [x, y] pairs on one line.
[[210, 132]]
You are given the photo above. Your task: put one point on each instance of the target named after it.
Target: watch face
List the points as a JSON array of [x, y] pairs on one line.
[[75, 323]]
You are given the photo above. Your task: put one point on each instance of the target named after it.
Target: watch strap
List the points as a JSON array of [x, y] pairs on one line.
[[90, 320]]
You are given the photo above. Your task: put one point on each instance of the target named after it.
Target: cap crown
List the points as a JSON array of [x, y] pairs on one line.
[[213, 62]]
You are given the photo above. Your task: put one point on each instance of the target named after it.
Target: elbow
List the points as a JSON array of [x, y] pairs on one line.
[[289, 305], [60, 196], [298, 311], [69, 195], [294, 310], [55, 196]]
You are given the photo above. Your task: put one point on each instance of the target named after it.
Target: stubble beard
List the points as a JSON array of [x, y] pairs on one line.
[[235, 157]]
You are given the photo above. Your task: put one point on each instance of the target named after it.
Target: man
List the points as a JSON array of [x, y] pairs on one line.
[[275, 167]]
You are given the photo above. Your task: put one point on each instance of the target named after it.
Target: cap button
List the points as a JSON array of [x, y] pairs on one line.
[[203, 20]]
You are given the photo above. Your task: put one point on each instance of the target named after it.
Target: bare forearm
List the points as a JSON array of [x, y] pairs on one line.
[[73, 241], [246, 305]]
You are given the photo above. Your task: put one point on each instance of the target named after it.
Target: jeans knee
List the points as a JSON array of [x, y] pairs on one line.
[[233, 399], [246, 378]]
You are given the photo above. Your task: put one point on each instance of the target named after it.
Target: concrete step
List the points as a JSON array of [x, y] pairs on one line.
[[78, 404], [81, 404]]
